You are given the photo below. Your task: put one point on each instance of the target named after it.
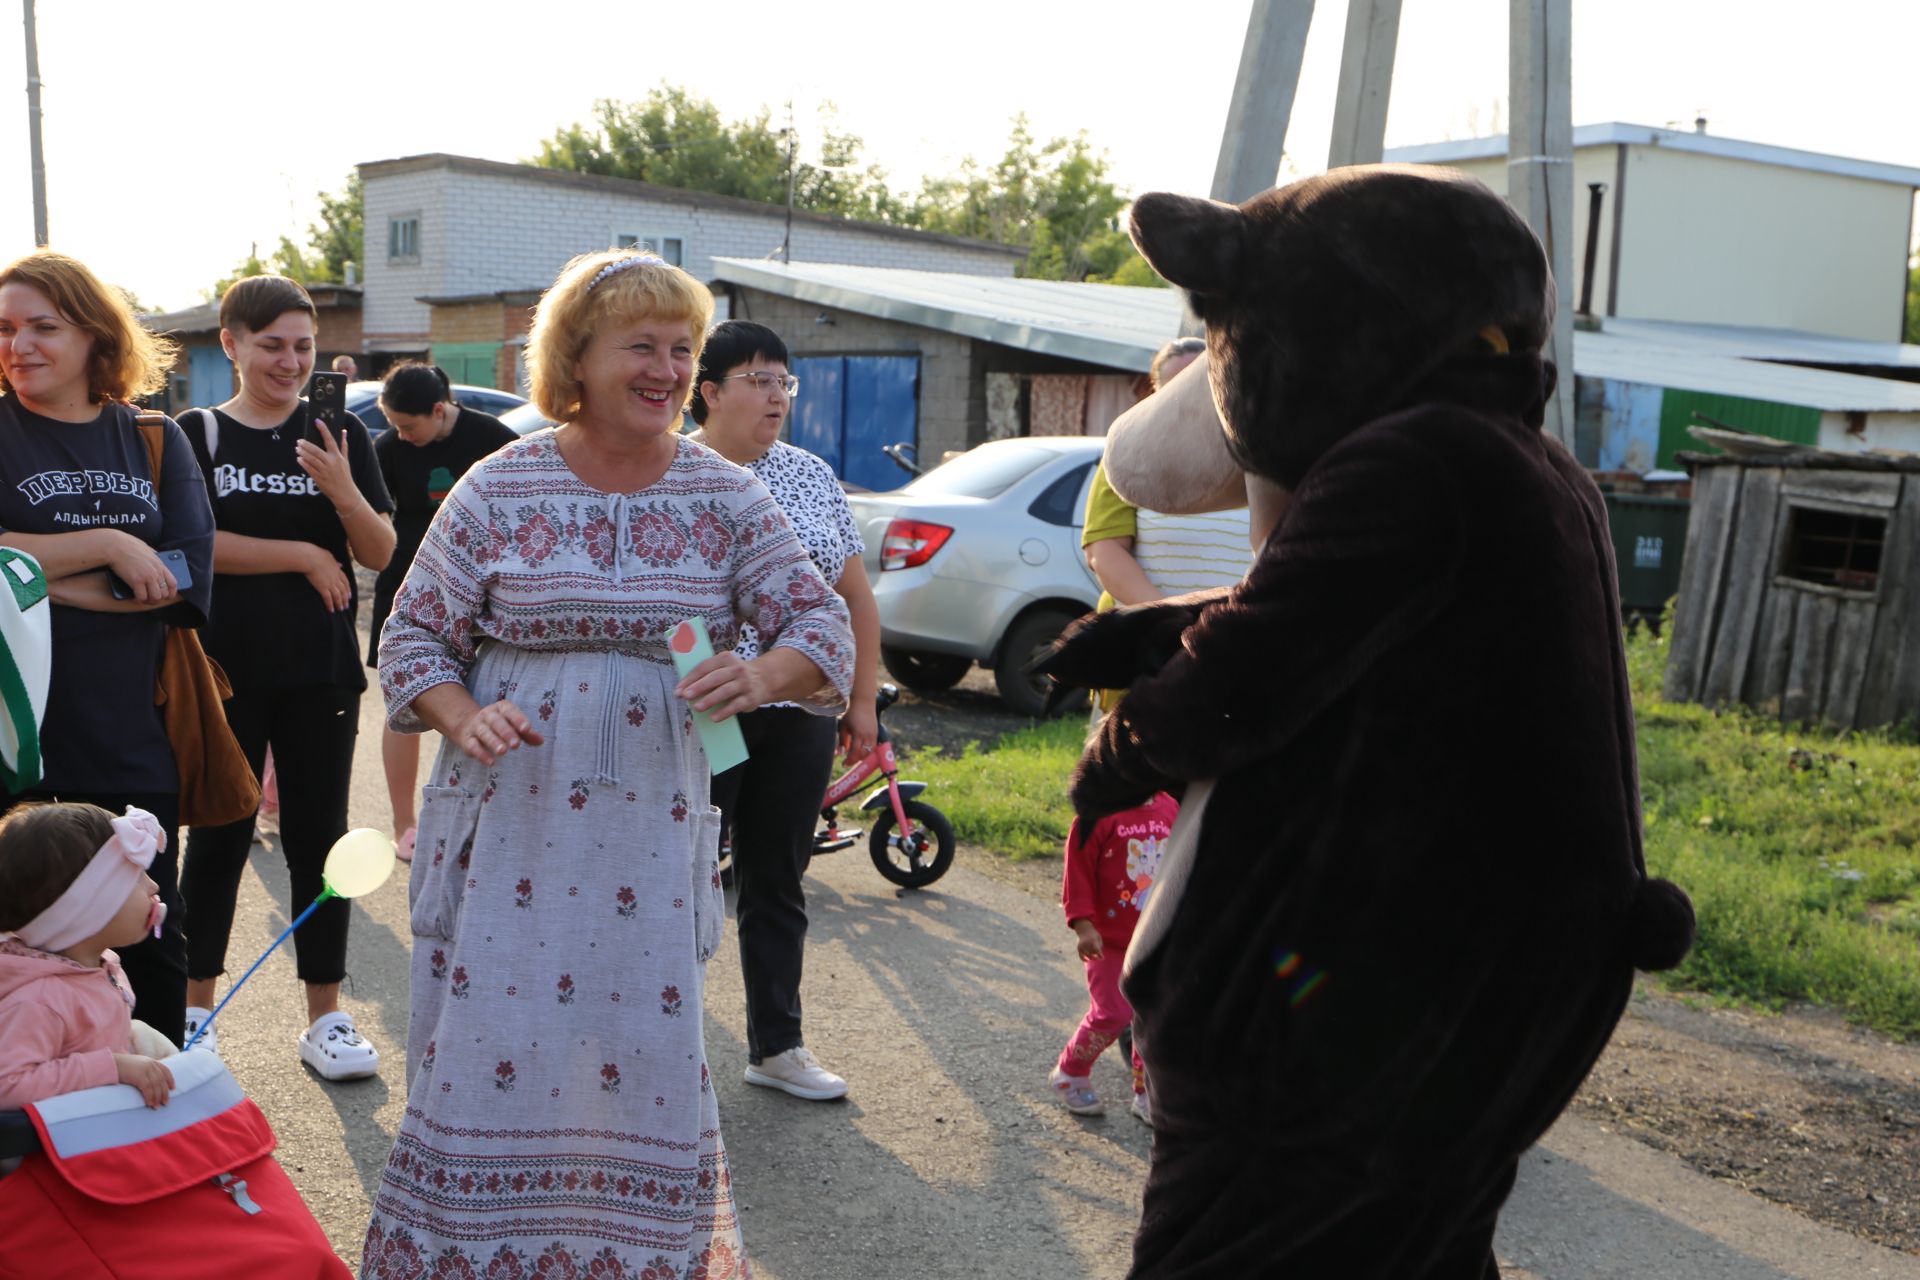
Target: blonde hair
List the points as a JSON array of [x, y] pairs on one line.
[[126, 360], [583, 303]]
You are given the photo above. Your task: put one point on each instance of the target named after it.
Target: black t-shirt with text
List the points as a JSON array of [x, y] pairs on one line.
[[102, 732], [419, 477], [273, 630]]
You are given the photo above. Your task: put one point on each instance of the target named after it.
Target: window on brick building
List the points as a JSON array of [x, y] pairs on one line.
[[403, 238], [671, 248]]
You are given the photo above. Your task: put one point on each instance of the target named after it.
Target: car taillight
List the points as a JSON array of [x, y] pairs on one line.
[[910, 543]]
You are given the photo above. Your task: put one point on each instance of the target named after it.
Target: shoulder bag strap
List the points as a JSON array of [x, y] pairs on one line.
[[209, 432], [153, 432]]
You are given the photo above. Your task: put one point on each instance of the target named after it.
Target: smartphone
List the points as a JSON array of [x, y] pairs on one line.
[[328, 397], [176, 562]]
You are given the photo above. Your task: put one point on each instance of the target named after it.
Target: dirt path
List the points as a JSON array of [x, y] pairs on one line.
[[1797, 1108]]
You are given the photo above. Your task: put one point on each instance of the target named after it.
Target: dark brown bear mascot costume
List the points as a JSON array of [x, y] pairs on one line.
[[1402, 910]]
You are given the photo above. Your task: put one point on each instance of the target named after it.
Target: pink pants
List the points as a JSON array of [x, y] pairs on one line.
[[1108, 1014]]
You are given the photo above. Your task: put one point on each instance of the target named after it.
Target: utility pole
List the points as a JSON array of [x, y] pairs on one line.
[[786, 241], [1366, 73], [38, 157], [1540, 167], [1256, 131]]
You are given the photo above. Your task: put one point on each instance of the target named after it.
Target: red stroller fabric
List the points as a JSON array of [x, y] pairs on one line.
[[191, 1189]]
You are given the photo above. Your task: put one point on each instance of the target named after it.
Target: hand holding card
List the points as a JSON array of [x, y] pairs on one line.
[[690, 646]]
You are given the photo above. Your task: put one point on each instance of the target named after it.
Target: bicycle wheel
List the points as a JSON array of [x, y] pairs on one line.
[[912, 861]]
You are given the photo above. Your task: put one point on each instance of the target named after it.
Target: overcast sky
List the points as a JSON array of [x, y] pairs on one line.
[[178, 134]]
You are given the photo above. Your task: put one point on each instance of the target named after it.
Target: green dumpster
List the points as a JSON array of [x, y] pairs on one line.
[[1649, 533]]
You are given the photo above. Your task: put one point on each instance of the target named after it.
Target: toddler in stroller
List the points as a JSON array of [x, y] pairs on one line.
[[128, 1163]]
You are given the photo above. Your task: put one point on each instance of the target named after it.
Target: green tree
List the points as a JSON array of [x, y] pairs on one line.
[[675, 139], [1055, 200], [339, 237], [1911, 332]]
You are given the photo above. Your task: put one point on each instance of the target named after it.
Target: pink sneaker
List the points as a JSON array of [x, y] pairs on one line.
[[403, 847]]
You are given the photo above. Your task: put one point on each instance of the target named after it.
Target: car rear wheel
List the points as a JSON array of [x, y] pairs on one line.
[[925, 672], [1027, 641]]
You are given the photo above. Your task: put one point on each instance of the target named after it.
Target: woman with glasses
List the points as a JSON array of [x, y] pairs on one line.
[[742, 397]]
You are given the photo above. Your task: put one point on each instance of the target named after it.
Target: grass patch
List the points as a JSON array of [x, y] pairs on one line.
[[1012, 795], [1799, 846]]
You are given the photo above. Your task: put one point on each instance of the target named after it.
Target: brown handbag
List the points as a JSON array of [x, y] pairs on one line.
[[217, 785]]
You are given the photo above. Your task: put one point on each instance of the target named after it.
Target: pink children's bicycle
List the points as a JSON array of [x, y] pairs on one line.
[[911, 843]]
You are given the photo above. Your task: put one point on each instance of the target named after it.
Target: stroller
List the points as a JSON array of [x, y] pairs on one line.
[[107, 1189]]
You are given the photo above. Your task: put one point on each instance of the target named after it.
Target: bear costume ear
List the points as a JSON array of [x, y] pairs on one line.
[[1194, 243]]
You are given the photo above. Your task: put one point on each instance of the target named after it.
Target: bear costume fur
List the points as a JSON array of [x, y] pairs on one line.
[[1402, 910]]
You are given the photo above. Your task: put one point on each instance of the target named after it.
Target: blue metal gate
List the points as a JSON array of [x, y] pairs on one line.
[[209, 378], [850, 406]]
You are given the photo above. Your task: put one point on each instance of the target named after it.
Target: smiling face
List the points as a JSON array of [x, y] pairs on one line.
[[744, 420], [274, 362], [634, 378], [43, 354]]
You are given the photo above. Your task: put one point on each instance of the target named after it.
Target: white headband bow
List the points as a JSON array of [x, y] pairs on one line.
[[615, 268], [97, 893]]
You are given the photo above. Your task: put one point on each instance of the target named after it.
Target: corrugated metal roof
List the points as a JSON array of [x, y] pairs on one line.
[[1121, 327], [1766, 344], [1118, 326], [1616, 133], [1654, 363]]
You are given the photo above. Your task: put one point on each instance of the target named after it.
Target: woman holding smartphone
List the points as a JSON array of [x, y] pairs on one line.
[[77, 493], [295, 505]]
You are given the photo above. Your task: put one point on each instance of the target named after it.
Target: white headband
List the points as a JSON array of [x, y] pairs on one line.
[[97, 893], [615, 268]]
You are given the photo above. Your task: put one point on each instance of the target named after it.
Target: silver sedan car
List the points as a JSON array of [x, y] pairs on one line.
[[979, 560]]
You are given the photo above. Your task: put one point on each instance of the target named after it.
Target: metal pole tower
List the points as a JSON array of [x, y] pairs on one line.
[[39, 159], [1540, 166]]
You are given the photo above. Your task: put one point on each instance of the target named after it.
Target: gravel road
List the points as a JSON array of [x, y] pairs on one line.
[[944, 1009]]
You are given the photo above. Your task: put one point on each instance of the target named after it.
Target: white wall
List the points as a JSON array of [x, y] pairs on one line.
[[482, 232], [1733, 242], [388, 310], [1884, 431], [1720, 241]]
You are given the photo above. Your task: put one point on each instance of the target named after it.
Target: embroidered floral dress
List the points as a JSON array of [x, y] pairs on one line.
[[560, 1120]]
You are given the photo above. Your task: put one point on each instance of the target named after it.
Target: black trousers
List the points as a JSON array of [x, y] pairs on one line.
[[772, 801], [156, 968], [312, 731]]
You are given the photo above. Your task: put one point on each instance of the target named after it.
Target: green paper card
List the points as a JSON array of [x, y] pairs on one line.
[[691, 646]]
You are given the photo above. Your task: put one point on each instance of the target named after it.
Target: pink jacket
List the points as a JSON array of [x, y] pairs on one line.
[[60, 1023]]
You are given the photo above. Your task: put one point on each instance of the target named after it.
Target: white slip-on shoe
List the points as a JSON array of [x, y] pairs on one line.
[[196, 1019], [799, 1073], [336, 1050]]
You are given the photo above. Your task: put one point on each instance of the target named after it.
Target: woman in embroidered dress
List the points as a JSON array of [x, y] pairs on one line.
[[565, 896]]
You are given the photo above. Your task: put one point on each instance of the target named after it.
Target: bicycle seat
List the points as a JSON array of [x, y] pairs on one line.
[[887, 696]]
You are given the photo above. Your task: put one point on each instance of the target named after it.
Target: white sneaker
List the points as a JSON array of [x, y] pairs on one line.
[[336, 1050], [1142, 1109], [1077, 1094], [799, 1073], [196, 1019]]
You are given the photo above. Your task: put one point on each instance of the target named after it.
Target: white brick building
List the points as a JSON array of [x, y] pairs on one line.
[[452, 227]]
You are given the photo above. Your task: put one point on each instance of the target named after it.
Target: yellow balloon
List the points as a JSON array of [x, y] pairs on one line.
[[359, 862]]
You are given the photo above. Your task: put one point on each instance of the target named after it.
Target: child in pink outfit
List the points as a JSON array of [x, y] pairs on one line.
[[1108, 877], [73, 883]]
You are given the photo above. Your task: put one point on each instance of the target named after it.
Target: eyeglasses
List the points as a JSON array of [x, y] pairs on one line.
[[765, 382]]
